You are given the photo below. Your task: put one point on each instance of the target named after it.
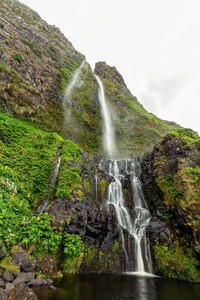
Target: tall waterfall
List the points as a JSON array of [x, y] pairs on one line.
[[108, 130], [73, 83], [132, 226]]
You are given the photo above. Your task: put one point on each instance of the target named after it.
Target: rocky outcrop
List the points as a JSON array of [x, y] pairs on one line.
[[171, 177]]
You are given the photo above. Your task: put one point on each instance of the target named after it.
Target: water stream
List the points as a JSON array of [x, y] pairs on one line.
[[108, 129], [136, 250], [51, 187]]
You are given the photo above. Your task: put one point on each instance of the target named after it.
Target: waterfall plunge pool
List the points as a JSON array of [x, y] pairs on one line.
[[119, 287]]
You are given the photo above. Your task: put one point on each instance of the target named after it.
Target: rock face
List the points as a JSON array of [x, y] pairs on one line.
[[171, 176], [34, 56]]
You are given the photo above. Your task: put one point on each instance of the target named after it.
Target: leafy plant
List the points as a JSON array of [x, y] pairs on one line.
[[73, 245]]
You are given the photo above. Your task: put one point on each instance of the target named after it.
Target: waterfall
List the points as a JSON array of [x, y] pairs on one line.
[[52, 184], [108, 130], [75, 80], [133, 227], [135, 243]]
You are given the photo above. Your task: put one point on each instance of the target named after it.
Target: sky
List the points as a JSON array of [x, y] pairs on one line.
[[154, 44]]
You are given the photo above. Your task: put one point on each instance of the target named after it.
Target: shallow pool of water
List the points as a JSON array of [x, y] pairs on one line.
[[119, 287]]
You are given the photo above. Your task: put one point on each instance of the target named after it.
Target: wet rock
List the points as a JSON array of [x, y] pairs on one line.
[[40, 282], [24, 277], [22, 292], [8, 276]]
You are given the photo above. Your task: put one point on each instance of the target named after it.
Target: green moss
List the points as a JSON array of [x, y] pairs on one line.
[[189, 137], [8, 264], [4, 67], [194, 173], [69, 177], [115, 246], [176, 262], [71, 265], [169, 189], [103, 188]]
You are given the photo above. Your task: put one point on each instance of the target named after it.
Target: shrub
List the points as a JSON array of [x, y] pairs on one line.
[[73, 245], [17, 57]]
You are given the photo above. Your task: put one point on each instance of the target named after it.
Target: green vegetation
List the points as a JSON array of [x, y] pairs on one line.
[[73, 245], [69, 177], [33, 46], [3, 67], [189, 138], [25, 166], [17, 57], [169, 189], [176, 262]]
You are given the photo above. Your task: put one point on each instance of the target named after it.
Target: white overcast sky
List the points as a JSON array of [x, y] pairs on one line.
[[155, 45]]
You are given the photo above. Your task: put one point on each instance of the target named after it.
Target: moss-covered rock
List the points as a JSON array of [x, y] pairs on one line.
[[172, 187]]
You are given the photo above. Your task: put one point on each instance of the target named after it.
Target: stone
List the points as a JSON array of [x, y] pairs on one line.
[[22, 292], [21, 257], [40, 282], [2, 283], [24, 277], [8, 276], [3, 294], [9, 286], [30, 266]]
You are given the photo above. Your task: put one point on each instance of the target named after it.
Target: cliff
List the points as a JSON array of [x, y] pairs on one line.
[[171, 176], [36, 64]]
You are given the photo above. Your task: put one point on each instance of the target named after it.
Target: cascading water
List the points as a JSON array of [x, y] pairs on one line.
[[73, 83], [52, 184], [108, 130], [132, 227]]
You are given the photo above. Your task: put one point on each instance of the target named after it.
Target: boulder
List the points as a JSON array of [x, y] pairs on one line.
[[24, 277], [9, 286], [8, 277], [22, 292]]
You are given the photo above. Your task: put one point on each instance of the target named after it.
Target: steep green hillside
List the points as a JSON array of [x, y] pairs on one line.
[[37, 63], [27, 158]]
